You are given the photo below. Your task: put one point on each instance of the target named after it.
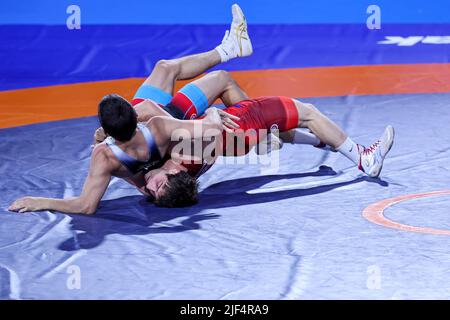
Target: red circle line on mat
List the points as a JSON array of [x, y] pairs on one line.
[[375, 212]]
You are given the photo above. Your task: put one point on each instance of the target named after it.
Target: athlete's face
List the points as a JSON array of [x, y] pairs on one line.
[[156, 181]]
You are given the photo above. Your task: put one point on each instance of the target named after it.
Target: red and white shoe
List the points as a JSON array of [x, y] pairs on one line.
[[372, 158]]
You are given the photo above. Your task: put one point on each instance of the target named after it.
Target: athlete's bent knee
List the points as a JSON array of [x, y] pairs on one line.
[[222, 76], [168, 67]]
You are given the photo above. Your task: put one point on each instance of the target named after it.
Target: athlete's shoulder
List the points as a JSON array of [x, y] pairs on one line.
[[100, 149], [102, 156]]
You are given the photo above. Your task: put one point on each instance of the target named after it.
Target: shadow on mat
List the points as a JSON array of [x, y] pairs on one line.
[[133, 215]]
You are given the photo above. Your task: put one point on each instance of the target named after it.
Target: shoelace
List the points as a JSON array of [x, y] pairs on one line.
[[240, 30], [372, 148]]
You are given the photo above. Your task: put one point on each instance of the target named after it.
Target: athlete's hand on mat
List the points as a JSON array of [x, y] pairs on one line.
[[26, 204], [222, 119], [99, 136]]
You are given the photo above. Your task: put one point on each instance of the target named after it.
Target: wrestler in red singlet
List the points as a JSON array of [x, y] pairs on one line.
[[269, 113]]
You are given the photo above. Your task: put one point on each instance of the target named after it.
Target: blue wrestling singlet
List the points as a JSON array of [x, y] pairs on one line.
[[132, 164]]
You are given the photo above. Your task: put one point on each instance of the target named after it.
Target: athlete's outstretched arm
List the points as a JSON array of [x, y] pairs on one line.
[[93, 190]]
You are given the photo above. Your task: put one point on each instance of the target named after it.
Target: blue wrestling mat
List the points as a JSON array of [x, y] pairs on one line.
[[299, 231]]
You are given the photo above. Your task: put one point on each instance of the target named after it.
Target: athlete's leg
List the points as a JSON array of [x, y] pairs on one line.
[[294, 136], [321, 126], [166, 72], [281, 116], [299, 136], [221, 85], [327, 131], [194, 98], [286, 114], [370, 160], [236, 43], [160, 83]]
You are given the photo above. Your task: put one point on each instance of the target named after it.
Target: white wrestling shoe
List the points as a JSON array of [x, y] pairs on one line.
[[236, 42], [372, 158]]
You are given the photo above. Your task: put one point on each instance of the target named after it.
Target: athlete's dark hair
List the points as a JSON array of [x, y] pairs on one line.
[[117, 117], [181, 191]]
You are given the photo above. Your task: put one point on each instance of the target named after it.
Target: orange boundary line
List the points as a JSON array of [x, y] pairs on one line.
[[34, 105], [375, 213]]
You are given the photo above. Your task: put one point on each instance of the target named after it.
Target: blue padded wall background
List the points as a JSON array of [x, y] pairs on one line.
[[217, 12]]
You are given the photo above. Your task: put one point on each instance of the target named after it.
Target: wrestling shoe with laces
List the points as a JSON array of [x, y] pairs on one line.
[[236, 42], [372, 158]]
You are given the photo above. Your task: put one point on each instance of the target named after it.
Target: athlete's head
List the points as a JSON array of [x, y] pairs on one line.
[[169, 186], [117, 117]]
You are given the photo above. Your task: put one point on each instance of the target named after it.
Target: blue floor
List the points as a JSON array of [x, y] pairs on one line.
[[257, 233]]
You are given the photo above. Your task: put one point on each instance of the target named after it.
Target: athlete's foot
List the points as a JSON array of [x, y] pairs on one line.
[[236, 42], [372, 158]]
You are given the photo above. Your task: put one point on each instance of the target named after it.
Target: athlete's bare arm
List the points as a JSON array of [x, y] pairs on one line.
[[94, 187], [166, 129], [148, 109]]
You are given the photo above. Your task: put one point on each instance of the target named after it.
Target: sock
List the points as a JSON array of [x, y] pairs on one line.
[[224, 57], [226, 49], [350, 150]]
